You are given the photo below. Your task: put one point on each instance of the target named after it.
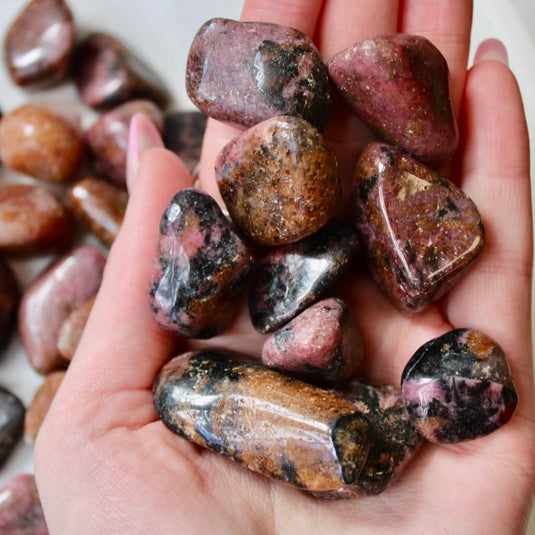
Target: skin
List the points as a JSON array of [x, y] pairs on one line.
[[105, 464]]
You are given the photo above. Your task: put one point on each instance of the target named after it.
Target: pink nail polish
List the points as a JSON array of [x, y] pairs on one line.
[[142, 135], [491, 50]]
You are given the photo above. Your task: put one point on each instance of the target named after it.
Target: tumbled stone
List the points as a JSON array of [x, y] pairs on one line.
[[322, 343], [107, 138], [399, 84], [458, 387], [200, 268], [20, 507], [420, 231], [245, 72], [61, 288], [183, 133], [38, 408], [100, 206], [39, 142], [11, 422], [38, 46], [394, 437], [291, 277], [272, 424], [33, 220], [279, 180], [107, 73], [9, 300], [72, 328]]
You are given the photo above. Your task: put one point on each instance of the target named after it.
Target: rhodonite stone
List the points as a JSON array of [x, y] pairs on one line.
[[39, 142], [279, 180], [61, 288], [39, 44], [421, 233], [245, 72], [399, 84], [100, 206], [200, 269], [459, 387], [9, 300], [107, 138], [20, 507], [393, 435], [72, 328], [322, 342], [107, 74], [270, 423], [183, 133], [291, 277], [11, 422]]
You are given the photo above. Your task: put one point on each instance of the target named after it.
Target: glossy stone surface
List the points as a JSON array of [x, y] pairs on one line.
[[399, 84], [245, 72], [274, 425], [9, 300], [38, 408], [72, 328], [11, 422], [20, 508], [107, 73], [291, 277], [100, 206], [61, 288], [279, 180], [33, 220], [322, 342], [107, 138], [183, 133], [38, 141], [39, 44], [394, 437], [420, 231], [459, 387], [200, 269]]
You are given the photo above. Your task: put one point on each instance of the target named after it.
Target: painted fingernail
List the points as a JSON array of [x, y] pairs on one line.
[[491, 50], [142, 135]]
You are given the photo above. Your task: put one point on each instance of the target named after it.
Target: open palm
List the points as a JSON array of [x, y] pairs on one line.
[[105, 464]]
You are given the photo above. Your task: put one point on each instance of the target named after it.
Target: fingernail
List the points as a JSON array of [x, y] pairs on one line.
[[491, 50], [142, 135]]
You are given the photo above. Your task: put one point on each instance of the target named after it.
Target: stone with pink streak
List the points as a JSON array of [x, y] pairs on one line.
[[323, 343], [459, 387], [200, 268]]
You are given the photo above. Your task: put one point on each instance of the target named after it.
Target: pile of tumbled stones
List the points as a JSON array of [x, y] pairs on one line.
[[302, 415], [68, 184]]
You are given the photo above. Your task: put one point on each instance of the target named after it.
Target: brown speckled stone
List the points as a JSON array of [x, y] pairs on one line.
[[72, 328], [420, 231], [39, 142], [270, 423], [399, 84], [100, 206], [279, 180]]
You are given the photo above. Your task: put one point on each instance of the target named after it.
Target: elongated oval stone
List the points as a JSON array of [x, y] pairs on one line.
[[274, 425], [420, 231], [245, 72], [459, 387], [9, 300], [399, 84], [38, 46], [279, 180], [291, 277], [11, 422], [200, 268], [322, 342]]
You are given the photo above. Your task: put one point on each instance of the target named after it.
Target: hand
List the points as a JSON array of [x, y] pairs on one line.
[[105, 464]]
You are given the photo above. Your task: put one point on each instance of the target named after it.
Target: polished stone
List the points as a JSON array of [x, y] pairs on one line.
[[9, 301], [71, 330], [11, 422]]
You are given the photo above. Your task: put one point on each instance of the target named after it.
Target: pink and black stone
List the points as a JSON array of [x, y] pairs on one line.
[[293, 276], [200, 268], [459, 387], [394, 437], [421, 233], [245, 72], [11, 422]]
